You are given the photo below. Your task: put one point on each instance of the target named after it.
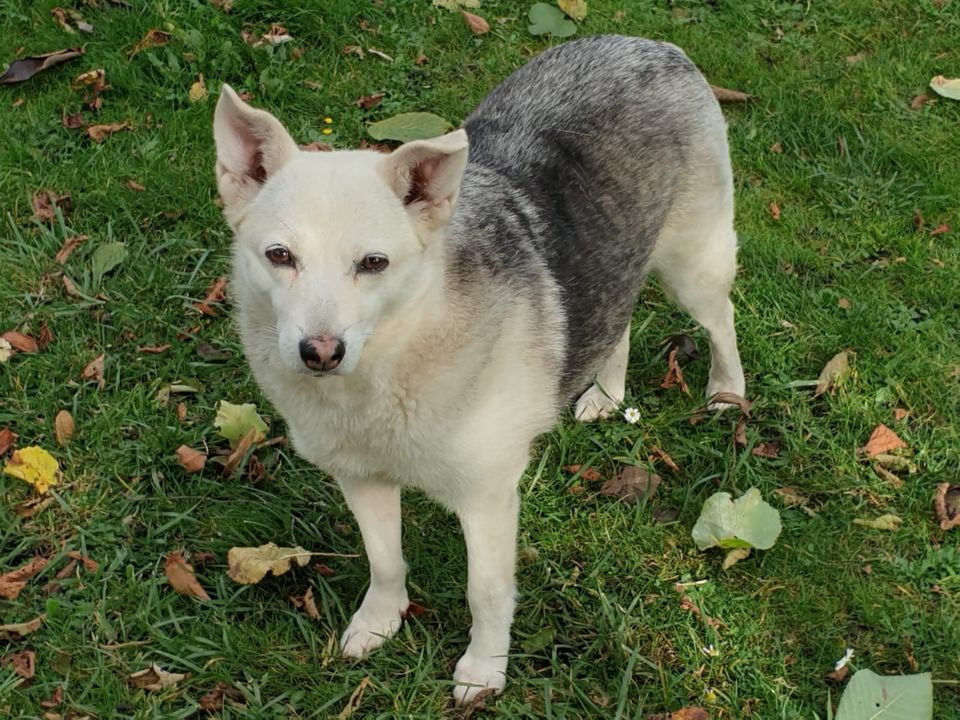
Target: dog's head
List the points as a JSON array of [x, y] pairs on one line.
[[328, 244]]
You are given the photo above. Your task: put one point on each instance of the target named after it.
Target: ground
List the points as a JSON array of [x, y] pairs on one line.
[[830, 141]]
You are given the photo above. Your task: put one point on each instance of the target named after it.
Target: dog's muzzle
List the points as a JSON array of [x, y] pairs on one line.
[[322, 352]]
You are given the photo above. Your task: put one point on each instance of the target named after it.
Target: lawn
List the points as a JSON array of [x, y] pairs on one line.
[[848, 215]]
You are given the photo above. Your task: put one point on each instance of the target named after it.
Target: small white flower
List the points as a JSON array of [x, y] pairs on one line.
[[710, 651], [631, 415], [842, 662]]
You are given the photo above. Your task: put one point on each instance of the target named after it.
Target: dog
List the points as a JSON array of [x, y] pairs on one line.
[[418, 318]]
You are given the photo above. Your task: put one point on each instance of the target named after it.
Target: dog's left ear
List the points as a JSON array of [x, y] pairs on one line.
[[425, 175]]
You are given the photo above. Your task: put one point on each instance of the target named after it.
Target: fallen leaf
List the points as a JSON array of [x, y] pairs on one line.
[[33, 465], [940, 230], [884, 522], [575, 9], [153, 38], [854, 59], [657, 454], [725, 95], [19, 630], [236, 456], [135, 186], [317, 146], [250, 565], [106, 258], [235, 421], [477, 25], [213, 700], [456, 4], [63, 427], [6, 350], [844, 303], [181, 577], [44, 337], [193, 461], [685, 346], [70, 288], [276, 35], [947, 504], [24, 663], [356, 697], [69, 245], [154, 349], [216, 292], [46, 202], [154, 678], [548, 19], [32, 506], [896, 461], [421, 59], [26, 68], [88, 564], [838, 676], [325, 570], [734, 556], [664, 515], [632, 484], [540, 640], [674, 376], [99, 133], [380, 54], [306, 603], [198, 91], [588, 474], [919, 101], [745, 522], [61, 17], [73, 122], [948, 88], [164, 393], [770, 450], [352, 50], [13, 582], [869, 696], [367, 102], [21, 342], [899, 413], [8, 439], [775, 211], [409, 126], [834, 371], [882, 440], [225, 5], [55, 700], [94, 371], [728, 398], [687, 713], [887, 476]]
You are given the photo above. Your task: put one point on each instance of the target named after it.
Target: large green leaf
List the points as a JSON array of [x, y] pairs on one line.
[[747, 522], [105, 258], [549, 19], [409, 126], [869, 696], [235, 421]]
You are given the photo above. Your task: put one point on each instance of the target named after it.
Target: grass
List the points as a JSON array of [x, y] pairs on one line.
[[596, 574]]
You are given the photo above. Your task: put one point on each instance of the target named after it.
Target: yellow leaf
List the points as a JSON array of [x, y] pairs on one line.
[[576, 9], [734, 556], [198, 91], [35, 466], [250, 565]]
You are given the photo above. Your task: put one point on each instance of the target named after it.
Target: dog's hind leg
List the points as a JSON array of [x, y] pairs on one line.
[[376, 506], [696, 263], [606, 394]]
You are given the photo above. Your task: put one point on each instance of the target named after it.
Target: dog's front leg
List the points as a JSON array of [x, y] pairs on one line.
[[376, 506], [490, 530]]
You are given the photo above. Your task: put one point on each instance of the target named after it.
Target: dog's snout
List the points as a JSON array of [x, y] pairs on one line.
[[322, 352]]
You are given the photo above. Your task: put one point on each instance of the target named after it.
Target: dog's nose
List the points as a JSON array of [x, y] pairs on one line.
[[322, 352]]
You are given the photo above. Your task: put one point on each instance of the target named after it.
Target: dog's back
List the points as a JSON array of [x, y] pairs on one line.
[[583, 152]]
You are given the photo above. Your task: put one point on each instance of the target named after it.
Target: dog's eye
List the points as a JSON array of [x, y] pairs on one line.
[[373, 263], [279, 255]]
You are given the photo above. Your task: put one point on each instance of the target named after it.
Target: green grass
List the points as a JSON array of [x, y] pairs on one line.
[[601, 575]]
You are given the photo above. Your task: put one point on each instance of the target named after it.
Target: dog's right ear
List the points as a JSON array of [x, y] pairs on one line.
[[252, 146]]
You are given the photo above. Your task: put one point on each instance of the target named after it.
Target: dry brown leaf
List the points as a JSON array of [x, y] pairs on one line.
[[276, 35], [770, 450], [477, 25], [306, 603], [728, 398], [193, 461], [88, 564], [63, 427], [45, 202], [69, 287], [135, 186], [55, 700], [69, 245], [154, 678], [13, 582], [213, 700], [23, 663], [919, 101], [16, 631], [237, 455], [73, 122], [832, 373], [153, 38], [844, 303], [840, 675], [740, 432], [317, 146], [250, 565], [725, 95], [632, 484], [687, 713], [99, 133], [887, 476], [216, 292], [23, 343], [674, 376], [61, 17], [154, 349], [587, 474], [421, 59], [181, 411], [882, 440], [32, 506], [657, 454], [940, 230], [44, 337], [66, 571], [8, 438], [26, 68], [775, 211], [369, 101], [947, 504], [180, 576], [94, 370], [899, 413], [225, 5]]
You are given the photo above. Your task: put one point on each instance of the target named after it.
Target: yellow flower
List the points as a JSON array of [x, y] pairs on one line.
[[328, 120], [327, 131], [35, 466]]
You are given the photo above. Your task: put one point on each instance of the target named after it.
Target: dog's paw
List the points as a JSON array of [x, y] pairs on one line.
[[594, 404], [366, 632], [478, 675]]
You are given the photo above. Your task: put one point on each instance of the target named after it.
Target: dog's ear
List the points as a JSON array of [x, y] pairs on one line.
[[425, 175], [252, 146]]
